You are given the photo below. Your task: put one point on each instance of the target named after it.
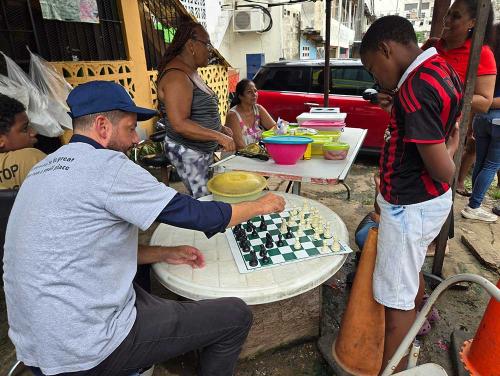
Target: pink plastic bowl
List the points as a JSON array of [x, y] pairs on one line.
[[286, 154]]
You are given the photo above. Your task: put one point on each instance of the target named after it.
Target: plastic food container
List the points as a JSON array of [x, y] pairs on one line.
[[335, 150], [286, 150], [320, 138], [236, 186], [322, 121]]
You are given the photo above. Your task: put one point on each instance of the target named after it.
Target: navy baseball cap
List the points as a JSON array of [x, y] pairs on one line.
[[102, 96]]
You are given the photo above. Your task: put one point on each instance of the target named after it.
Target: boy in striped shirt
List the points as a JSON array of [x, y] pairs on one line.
[[416, 165]]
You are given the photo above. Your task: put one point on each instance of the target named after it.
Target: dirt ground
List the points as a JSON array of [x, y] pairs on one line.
[[459, 308]]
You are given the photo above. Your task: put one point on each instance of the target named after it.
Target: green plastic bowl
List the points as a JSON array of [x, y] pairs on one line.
[[335, 150]]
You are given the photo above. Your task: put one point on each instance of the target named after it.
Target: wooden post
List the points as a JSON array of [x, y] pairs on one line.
[[326, 75], [134, 44], [470, 82], [440, 9]]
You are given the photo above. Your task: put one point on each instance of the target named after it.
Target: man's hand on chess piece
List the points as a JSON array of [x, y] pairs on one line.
[[270, 203]]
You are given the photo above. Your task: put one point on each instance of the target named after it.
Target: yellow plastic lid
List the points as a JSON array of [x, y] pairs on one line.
[[236, 184]]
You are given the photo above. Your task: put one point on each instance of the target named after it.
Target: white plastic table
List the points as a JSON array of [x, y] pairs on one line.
[[221, 278], [316, 170]]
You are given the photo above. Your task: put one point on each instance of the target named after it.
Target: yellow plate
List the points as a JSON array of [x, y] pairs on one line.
[[236, 184]]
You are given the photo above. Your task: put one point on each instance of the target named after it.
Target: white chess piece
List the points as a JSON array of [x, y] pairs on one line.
[[325, 248], [300, 231], [336, 244], [321, 227], [316, 236], [297, 243], [283, 228], [328, 231], [291, 222]]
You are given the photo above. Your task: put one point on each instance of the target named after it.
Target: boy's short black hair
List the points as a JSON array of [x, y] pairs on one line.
[[9, 108], [395, 28]]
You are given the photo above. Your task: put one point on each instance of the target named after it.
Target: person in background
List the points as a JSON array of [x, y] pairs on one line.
[[246, 118], [191, 111], [17, 155], [416, 166], [487, 138], [454, 46]]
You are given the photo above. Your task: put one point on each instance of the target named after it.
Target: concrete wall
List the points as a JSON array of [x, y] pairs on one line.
[[235, 46]]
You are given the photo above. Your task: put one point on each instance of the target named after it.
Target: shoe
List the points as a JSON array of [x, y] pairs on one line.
[[464, 192], [496, 210], [478, 214]]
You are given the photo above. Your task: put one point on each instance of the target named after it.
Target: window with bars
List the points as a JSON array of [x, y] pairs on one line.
[[22, 24]]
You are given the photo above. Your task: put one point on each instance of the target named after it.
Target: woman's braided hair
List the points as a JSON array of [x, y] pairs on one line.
[[186, 30]]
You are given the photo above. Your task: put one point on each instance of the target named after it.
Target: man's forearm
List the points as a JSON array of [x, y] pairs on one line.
[[147, 254], [243, 211]]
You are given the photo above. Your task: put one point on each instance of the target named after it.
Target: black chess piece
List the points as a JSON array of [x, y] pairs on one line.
[[289, 234], [269, 241], [280, 242], [263, 226], [254, 232], [245, 247], [262, 251], [265, 259], [237, 227], [253, 260], [250, 226]]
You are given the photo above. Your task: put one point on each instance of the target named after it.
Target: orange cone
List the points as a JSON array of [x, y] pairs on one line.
[[481, 355], [359, 346]]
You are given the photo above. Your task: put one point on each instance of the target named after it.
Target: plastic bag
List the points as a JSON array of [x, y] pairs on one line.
[[52, 84], [14, 90], [40, 118]]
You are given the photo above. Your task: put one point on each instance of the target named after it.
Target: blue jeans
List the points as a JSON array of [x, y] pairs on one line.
[[487, 163]]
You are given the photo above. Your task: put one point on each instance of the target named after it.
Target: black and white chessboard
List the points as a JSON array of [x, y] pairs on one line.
[[279, 255]]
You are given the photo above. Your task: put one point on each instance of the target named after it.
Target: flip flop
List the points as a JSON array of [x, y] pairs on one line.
[[464, 192], [433, 315], [425, 329]]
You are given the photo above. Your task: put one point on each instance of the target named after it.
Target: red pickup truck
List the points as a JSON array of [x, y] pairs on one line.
[[289, 88]]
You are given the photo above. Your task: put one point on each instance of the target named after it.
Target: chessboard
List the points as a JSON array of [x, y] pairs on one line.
[[294, 235]]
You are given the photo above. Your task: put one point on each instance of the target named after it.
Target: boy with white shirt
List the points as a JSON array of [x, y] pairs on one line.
[[416, 165]]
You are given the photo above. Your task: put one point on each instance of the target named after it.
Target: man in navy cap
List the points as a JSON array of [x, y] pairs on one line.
[[71, 255]]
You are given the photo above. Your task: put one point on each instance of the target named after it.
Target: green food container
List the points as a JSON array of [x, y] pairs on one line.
[[335, 150]]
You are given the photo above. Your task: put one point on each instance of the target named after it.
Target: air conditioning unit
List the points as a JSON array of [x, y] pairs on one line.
[[248, 20]]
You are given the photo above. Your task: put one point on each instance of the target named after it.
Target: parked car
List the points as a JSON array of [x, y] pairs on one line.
[[289, 88]]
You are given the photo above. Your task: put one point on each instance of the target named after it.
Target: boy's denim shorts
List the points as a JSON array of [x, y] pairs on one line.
[[405, 232]]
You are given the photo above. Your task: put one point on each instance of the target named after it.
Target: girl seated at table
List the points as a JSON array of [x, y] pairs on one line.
[[246, 118]]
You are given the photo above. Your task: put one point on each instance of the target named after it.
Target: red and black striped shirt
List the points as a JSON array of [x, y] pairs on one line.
[[425, 109]]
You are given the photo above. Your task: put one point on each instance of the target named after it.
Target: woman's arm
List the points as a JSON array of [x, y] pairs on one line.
[[177, 95], [496, 103], [233, 123], [265, 119], [483, 93]]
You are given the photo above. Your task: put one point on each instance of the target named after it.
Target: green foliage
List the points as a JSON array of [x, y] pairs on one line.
[[420, 36]]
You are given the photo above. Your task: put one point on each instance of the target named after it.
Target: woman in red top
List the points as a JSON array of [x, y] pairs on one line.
[[454, 46]]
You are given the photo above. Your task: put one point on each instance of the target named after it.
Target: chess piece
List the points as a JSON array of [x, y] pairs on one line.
[[316, 236], [297, 243], [328, 231], [289, 234], [336, 244], [253, 260], [237, 227], [280, 242], [269, 241], [283, 226], [325, 248], [262, 251], [249, 226], [263, 226], [300, 231], [245, 247], [265, 259], [254, 232], [291, 222], [320, 228]]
